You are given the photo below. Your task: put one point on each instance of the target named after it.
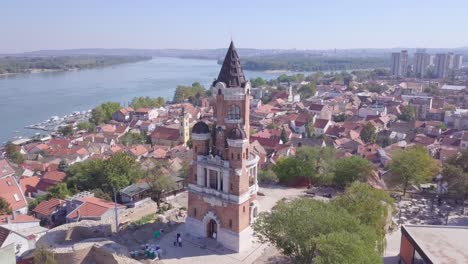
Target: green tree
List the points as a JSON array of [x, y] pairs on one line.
[[316, 164], [412, 166], [44, 256], [190, 93], [408, 113], [308, 90], [4, 207], [158, 181], [118, 171], [371, 206], [147, 102], [88, 126], [283, 136], [185, 170], [59, 191], [267, 176], [257, 82], [103, 113], [66, 131], [455, 173], [121, 170], [131, 138], [17, 158], [368, 133], [63, 166], [327, 233], [349, 170], [272, 126]]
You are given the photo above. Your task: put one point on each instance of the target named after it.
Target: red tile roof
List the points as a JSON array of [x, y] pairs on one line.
[[54, 176], [48, 207], [5, 169], [10, 191], [267, 143], [29, 184], [91, 207], [316, 107], [321, 123], [20, 218], [166, 133]]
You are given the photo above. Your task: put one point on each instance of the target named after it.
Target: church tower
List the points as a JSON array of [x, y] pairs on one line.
[[222, 188], [185, 127]]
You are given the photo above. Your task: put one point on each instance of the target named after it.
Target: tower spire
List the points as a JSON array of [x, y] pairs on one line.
[[231, 72]]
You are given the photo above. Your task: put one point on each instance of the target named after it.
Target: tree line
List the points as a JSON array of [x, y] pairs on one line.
[[15, 64]]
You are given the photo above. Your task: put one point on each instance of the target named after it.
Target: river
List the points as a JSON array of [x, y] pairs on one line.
[[26, 99]]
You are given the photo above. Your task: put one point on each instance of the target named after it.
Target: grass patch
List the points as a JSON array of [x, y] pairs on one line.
[[146, 219]]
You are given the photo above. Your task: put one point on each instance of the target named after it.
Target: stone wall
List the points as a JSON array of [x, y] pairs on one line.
[[84, 242]]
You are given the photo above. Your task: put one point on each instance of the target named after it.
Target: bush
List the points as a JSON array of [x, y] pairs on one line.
[[267, 176]]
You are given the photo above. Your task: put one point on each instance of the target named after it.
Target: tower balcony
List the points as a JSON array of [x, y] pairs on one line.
[[213, 161], [239, 121], [252, 160]]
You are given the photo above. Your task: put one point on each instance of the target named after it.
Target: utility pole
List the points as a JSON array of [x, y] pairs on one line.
[[115, 210]]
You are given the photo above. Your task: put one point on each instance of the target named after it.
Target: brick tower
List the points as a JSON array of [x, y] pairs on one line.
[[222, 188]]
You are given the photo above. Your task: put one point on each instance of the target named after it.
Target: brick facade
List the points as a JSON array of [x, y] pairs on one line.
[[223, 181]]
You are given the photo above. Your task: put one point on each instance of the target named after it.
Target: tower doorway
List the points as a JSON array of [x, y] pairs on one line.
[[212, 229]]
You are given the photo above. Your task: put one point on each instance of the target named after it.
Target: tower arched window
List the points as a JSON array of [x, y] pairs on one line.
[[234, 112]]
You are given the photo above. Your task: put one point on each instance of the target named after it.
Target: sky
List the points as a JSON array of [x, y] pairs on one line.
[[199, 24]]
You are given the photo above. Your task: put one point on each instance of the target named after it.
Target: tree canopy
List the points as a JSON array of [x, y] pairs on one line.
[[147, 102], [66, 131], [354, 168], [158, 180], [368, 133], [408, 113], [371, 206], [313, 163], [455, 172], [412, 166], [257, 82], [88, 126], [327, 233], [4, 207], [308, 90], [118, 171], [191, 93], [103, 113], [131, 138]]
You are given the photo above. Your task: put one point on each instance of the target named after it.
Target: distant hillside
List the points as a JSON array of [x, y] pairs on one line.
[[260, 59]]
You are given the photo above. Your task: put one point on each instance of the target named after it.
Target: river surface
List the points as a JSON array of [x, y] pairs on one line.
[[27, 99]]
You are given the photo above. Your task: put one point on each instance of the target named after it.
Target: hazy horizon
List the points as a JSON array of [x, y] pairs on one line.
[[302, 25]]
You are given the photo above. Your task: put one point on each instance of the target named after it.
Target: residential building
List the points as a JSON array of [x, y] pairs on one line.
[[5, 169], [422, 105], [51, 212], [11, 192], [457, 61], [399, 66], [123, 115], [222, 197], [421, 62], [433, 244], [441, 63], [90, 208], [373, 110], [320, 126], [144, 114]]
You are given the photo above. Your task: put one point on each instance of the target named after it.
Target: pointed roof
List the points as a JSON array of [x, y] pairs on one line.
[[231, 72]]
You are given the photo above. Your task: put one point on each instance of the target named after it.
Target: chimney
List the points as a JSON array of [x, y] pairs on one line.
[[13, 215]]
